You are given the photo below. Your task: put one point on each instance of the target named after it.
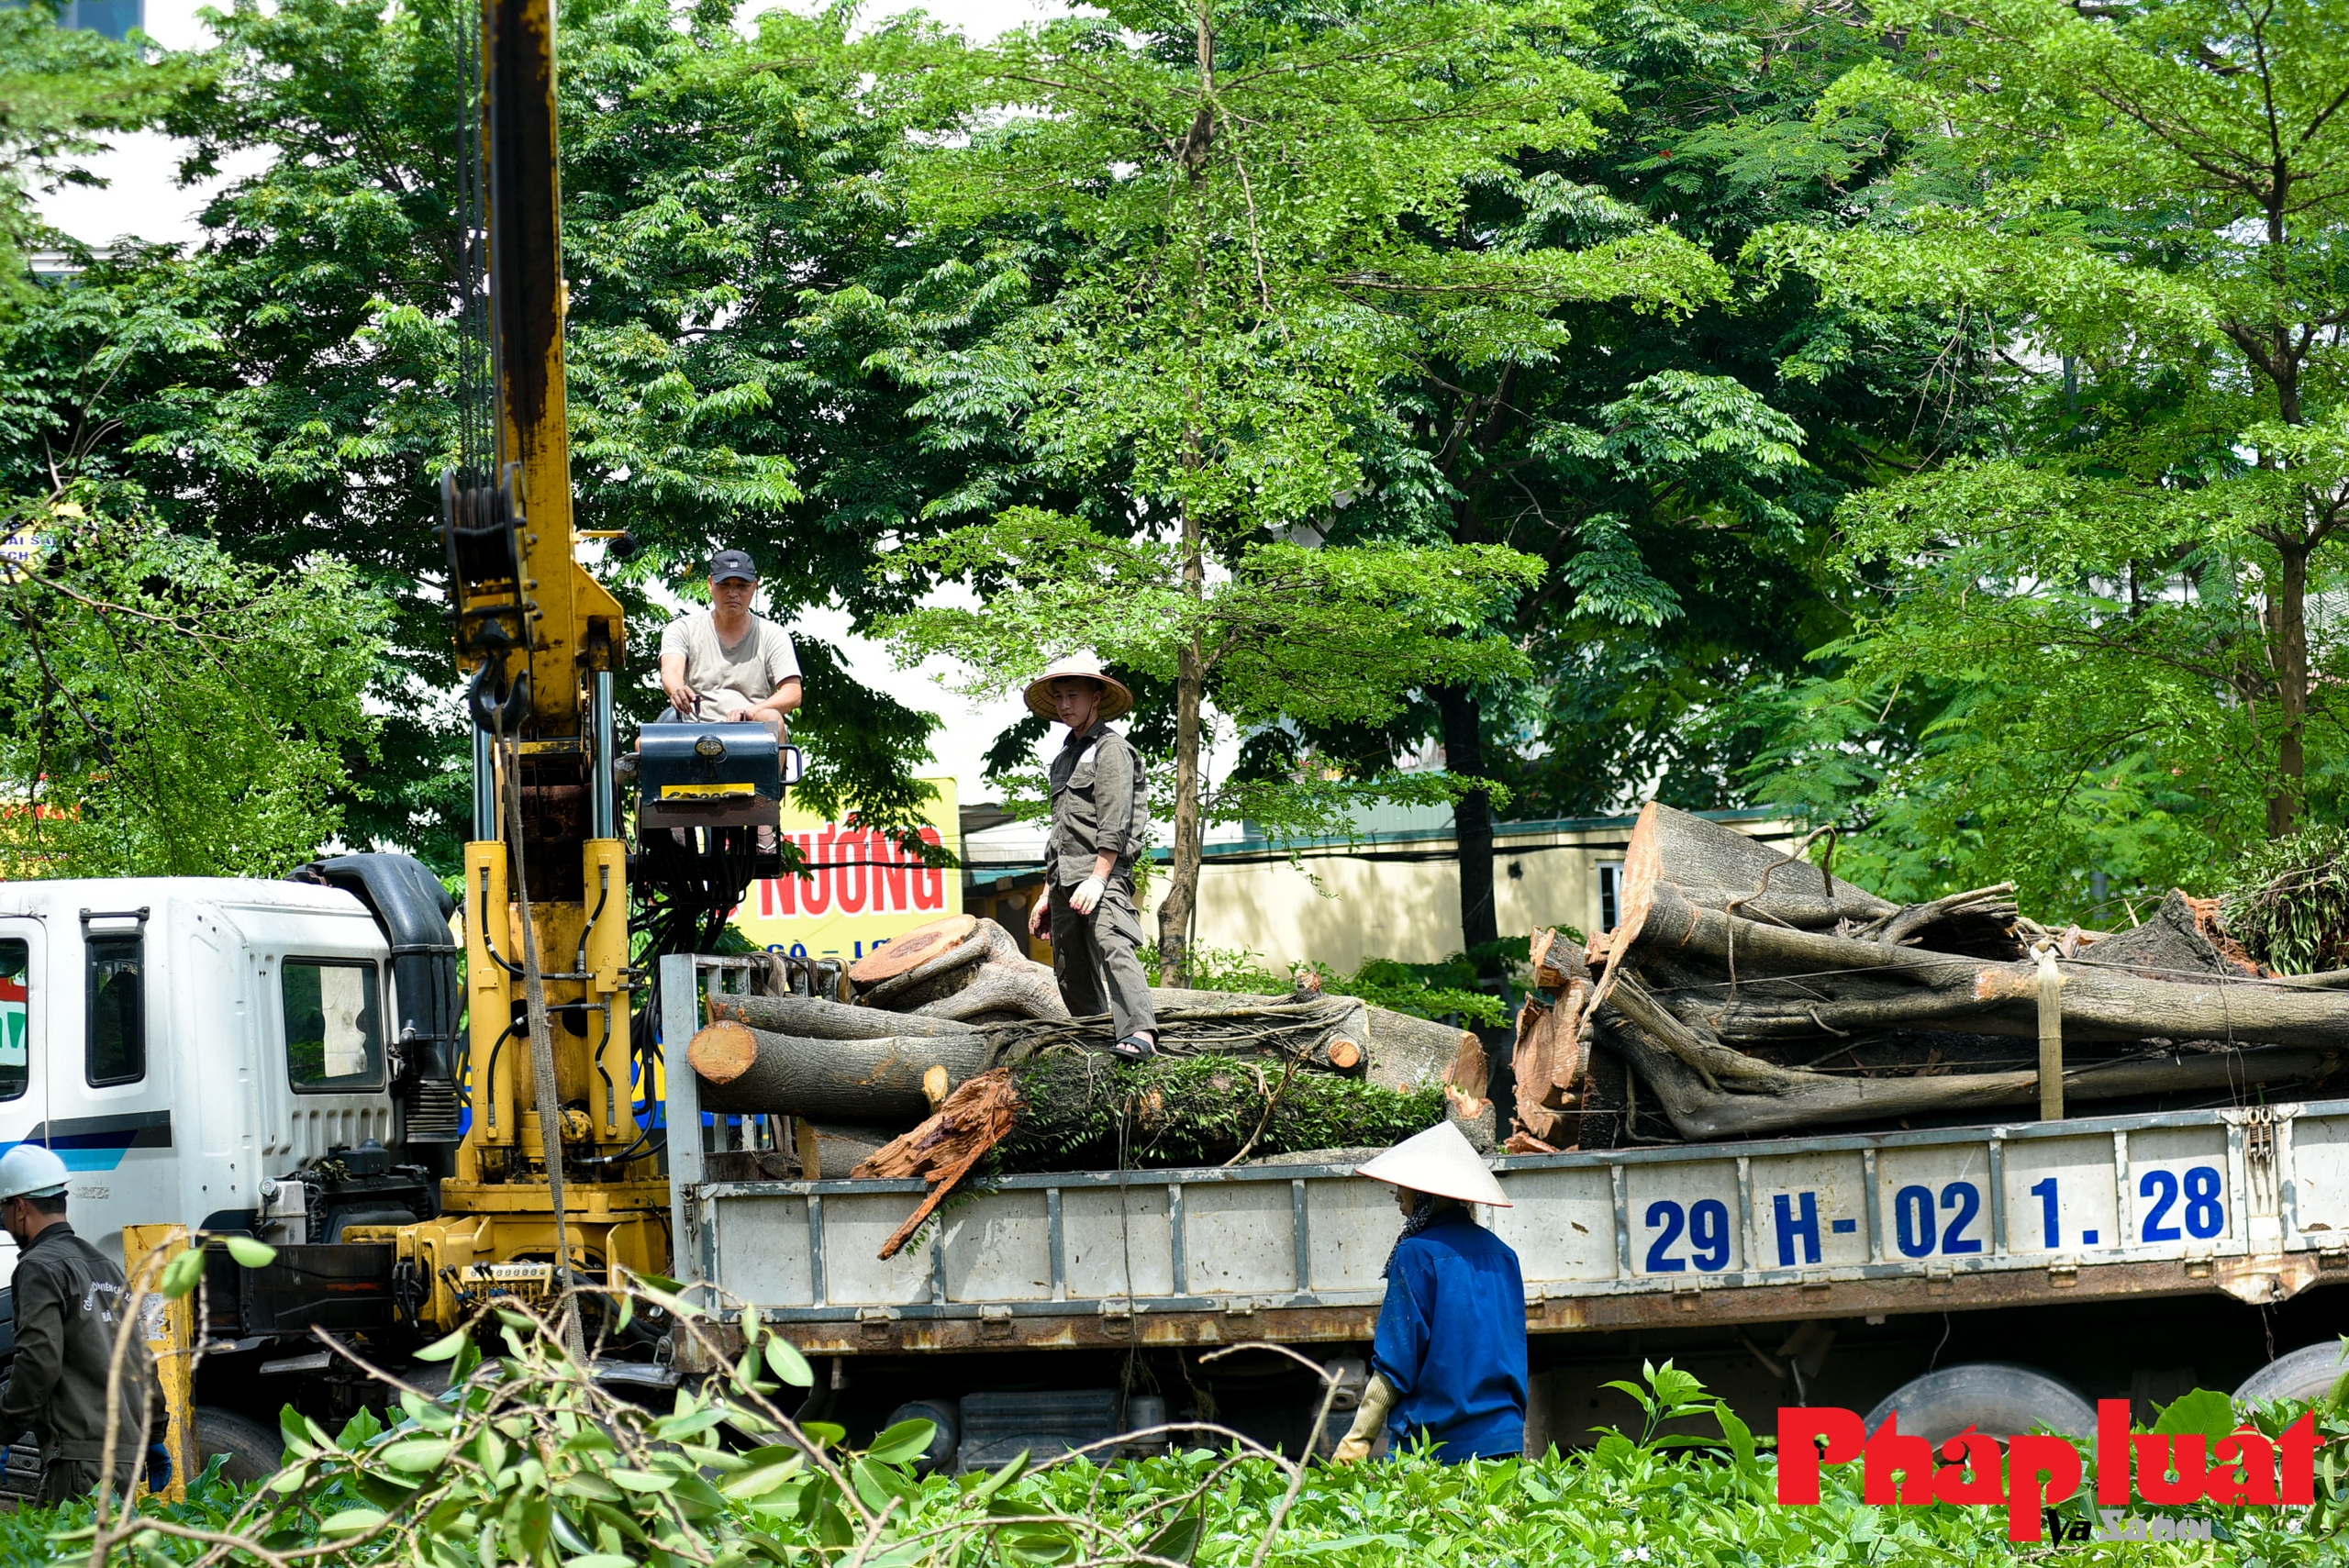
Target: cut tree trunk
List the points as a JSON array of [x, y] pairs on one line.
[[1833, 986], [912, 951], [1549, 1060], [1803, 1101], [1069, 1107], [745, 1070], [1721, 868], [821, 1019], [943, 971], [1019, 987]]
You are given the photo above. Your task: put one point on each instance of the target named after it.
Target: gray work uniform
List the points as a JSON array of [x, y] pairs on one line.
[[1100, 805], [69, 1298]]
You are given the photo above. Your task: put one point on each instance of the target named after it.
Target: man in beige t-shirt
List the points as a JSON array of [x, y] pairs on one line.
[[725, 661]]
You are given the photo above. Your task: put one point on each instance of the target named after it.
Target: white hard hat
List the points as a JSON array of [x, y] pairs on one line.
[[28, 1170], [1439, 1161]]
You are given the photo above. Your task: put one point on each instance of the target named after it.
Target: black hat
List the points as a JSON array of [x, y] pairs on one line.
[[729, 564]]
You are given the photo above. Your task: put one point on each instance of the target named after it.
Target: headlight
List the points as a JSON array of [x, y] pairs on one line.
[[710, 746]]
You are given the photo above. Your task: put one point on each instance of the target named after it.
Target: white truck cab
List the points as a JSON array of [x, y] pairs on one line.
[[198, 1049]]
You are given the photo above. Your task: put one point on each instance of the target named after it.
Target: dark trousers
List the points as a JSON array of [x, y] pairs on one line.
[[1093, 959], [64, 1479]]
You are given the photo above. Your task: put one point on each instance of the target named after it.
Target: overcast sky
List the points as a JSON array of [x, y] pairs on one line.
[[143, 198]]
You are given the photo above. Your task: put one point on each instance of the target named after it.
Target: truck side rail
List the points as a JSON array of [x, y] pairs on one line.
[[2254, 1201]]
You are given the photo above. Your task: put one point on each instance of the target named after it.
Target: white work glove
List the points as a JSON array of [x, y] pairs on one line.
[[1378, 1400], [1086, 897]]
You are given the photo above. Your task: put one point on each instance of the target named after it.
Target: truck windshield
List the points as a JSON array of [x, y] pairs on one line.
[[334, 1037]]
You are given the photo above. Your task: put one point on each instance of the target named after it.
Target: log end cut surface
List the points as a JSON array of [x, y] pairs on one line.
[[912, 949], [723, 1052]]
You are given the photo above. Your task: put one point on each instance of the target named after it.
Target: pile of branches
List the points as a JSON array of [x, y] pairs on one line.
[[1747, 991], [2290, 903]]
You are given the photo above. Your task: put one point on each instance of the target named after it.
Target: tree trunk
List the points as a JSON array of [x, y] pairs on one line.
[[2287, 617], [1021, 988], [1472, 814], [748, 1072], [819, 1019], [1698, 1109], [1190, 690]]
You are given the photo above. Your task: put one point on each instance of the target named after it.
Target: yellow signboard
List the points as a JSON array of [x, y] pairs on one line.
[[860, 889]]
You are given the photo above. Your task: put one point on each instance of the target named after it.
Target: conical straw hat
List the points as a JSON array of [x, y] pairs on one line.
[[1438, 1160], [1116, 701]]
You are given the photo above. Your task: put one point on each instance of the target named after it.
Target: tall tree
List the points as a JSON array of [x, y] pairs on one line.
[[1249, 195], [1675, 467], [2106, 612], [288, 385]]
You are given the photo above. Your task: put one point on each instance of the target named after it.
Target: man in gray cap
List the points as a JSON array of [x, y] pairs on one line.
[[727, 661]]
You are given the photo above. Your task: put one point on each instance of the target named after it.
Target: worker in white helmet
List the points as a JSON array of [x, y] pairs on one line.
[[70, 1300], [1448, 1366]]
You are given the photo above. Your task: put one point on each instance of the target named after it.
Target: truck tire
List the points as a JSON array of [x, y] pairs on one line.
[[1996, 1398], [2310, 1373], [255, 1452]]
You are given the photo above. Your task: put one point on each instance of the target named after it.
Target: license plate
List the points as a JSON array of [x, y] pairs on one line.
[[706, 791]]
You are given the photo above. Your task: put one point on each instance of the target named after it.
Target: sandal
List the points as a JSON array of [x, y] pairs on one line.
[[1135, 1047]]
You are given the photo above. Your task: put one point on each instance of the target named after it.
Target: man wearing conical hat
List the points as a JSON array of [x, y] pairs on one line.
[[1100, 817], [1449, 1362]]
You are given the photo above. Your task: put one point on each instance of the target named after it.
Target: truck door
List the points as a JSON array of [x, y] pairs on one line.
[[24, 996], [109, 1112]]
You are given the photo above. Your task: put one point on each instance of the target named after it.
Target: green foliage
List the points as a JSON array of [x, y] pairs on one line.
[[1080, 1111], [2287, 901], [288, 386], [1693, 1487], [61, 89], [2095, 643], [170, 710]]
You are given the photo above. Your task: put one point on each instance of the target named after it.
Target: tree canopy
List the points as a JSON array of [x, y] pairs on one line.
[[1926, 421], [2103, 622]]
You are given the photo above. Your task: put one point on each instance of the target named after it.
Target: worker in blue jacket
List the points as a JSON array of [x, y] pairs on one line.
[[1449, 1363]]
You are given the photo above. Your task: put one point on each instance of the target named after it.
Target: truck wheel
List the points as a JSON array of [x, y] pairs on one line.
[[255, 1452], [1996, 1398], [946, 1441], [2310, 1373]]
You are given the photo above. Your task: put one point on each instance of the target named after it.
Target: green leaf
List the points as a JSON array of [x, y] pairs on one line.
[[180, 1276], [903, 1443], [1011, 1470], [1179, 1537], [764, 1475], [448, 1345], [640, 1479], [2200, 1410], [251, 1254], [350, 1522], [418, 1454], [785, 1360]]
